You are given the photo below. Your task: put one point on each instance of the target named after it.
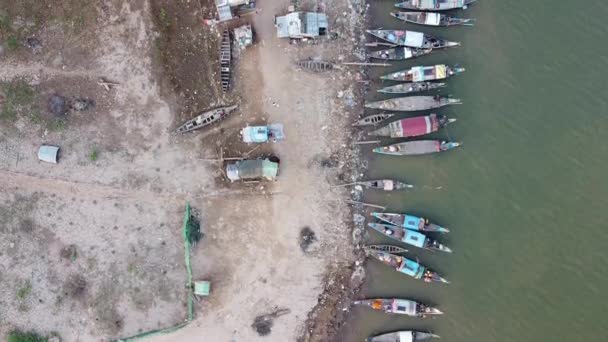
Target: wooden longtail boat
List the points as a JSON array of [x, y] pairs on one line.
[[415, 148], [205, 119], [315, 66], [399, 306], [410, 222], [424, 73], [407, 88], [434, 5], [407, 267], [431, 19], [386, 185], [387, 248], [409, 237], [402, 336], [374, 119], [413, 103], [412, 39], [399, 53], [413, 127]]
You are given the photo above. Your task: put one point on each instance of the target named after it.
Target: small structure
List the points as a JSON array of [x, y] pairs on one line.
[[48, 153], [253, 169], [243, 37], [298, 25], [202, 288], [226, 9], [262, 134]]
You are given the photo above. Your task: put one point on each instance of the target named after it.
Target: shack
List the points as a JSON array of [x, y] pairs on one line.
[[253, 169], [299, 25], [228, 9]]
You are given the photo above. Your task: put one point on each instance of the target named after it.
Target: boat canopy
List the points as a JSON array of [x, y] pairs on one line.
[[409, 267], [252, 169], [406, 336], [412, 127], [414, 39], [388, 185], [48, 153], [301, 25], [261, 134], [424, 4], [412, 222], [414, 238], [432, 18], [403, 306]]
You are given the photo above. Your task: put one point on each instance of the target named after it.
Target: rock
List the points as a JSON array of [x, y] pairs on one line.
[[82, 104], [34, 44], [58, 105]]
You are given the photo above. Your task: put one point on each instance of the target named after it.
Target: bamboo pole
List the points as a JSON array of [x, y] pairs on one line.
[[366, 204], [367, 64], [366, 142]]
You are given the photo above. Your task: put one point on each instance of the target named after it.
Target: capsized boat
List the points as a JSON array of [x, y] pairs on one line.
[[424, 73], [410, 222], [205, 119], [413, 103], [399, 53], [413, 127], [399, 306], [431, 19], [386, 184], [408, 267], [434, 5], [406, 88], [412, 39], [409, 237], [373, 119], [414, 148], [402, 336]]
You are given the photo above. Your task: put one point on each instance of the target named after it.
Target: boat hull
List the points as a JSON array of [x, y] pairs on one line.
[[374, 119], [412, 39], [386, 185], [409, 237], [402, 336], [416, 148], [410, 222], [431, 19], [412, 103], [408, 267], [423, 73], [399, 53], [411, 87], [422, 5], [399, 306], [413, 127], [205, 119]]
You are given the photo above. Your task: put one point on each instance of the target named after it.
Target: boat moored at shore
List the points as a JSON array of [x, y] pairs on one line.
[[413, 103], [410, 237], [412, 39], [385, 184], [431, 19], [408, 267], [410, 222], [415, 148], [399, 306], [434, 5], [402, 336], [413, 127], [424, 73], [400, 53], [415, 87]]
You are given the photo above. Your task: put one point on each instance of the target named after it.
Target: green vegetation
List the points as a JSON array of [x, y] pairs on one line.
[[164, 18], [5, 23], [12, 43], [56, 125], [94, 155], [25, 290], [20, 336], [17, 94]]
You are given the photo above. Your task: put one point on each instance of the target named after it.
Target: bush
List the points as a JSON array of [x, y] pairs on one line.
[[20, 336]]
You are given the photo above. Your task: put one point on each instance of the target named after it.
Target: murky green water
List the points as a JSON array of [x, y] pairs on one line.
[[526, 197]]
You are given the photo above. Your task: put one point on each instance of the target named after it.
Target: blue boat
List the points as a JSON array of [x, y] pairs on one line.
[[409, 237], [410, 222], [407, 267]]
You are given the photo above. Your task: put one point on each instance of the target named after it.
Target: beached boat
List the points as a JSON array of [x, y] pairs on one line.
[[373, 119], [409, 237], [315, 65], [410, 222], [413, 127], [434, 5], [424, 73], [402, 336], [399, 306], [386, 248], [408, 267], [415, 148], [205, 119], [431, 19], [407, 88], [412, 39], [386, 185], [399, 53], [413, 103]]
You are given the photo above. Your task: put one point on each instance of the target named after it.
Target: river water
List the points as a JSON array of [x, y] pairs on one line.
[[526, 197]]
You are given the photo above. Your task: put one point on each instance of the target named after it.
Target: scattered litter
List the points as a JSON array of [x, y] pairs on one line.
[[106, 84], [34, 44], [263, 323], [81, 104]]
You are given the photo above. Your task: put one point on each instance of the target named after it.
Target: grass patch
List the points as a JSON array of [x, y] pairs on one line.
[[56, 125], [164, 18], [20, 336], [25, 290], [11, 43], [17, 94], [5, 23], [94, 155]]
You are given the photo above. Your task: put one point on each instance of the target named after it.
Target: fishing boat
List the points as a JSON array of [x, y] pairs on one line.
[[410, 222], [413, 103], [386, 185], [399, 306], [408, 267], [402, 336], [415, 148], [412, 39], [434, 5], [431, 19], [205, 119], [413, 127], [373, 119], [386, 248], [409, 237], [399, 53], [407, 88], [424, 73]]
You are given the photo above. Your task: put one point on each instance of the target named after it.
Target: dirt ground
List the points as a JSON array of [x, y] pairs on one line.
[[93, 245]]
